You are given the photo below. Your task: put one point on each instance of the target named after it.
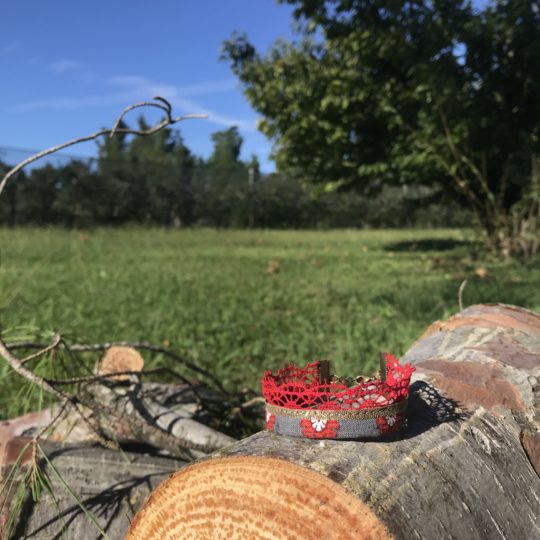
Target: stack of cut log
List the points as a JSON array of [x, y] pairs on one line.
[[467, 467], [157, 427]]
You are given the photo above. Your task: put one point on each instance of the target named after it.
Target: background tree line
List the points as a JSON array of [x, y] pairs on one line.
[[158, 181], [382, 113]]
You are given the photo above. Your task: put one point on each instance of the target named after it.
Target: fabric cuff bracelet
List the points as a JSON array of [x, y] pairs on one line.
[[310, 403]]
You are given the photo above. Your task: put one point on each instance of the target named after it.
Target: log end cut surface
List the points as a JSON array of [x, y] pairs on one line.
[[253, 498]]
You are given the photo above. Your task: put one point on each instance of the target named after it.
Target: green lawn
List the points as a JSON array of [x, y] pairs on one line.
[[341, 295]]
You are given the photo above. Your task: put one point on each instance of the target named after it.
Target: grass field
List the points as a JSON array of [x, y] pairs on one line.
[[341, 295]]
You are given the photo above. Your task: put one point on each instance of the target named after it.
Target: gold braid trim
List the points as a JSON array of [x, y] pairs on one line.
[[343, 414]]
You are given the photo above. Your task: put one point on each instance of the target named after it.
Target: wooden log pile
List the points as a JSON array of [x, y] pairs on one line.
[[467, 468], [157, 429]]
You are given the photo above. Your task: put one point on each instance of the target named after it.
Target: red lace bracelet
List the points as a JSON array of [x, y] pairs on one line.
[[310, 403]]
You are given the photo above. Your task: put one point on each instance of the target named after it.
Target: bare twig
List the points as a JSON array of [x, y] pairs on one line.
[[46, 384], [148, 347], [44, 350], [460, 294], [104, 376], [96, 429], [257, 401], [163, 105], [80, 347], [17, 366], [61, 408]]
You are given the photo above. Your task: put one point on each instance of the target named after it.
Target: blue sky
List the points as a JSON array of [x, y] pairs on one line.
[[69, 67]]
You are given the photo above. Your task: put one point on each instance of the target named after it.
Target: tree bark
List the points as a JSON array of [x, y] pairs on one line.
[[464, 469], [109, 484]]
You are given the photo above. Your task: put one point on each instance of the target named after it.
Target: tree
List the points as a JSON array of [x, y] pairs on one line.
[[224, 166], [380, 91], [221, 185], [162, 166], [254, 169], [227, 146], [8, 212], [147, 179], [76, 192], [119, 198]]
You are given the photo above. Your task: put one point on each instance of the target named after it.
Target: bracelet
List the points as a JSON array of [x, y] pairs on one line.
[[310, 403]]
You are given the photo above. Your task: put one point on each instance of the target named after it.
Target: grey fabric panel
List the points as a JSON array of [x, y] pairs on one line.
[[352, 429], [348, 429], [286, 425]]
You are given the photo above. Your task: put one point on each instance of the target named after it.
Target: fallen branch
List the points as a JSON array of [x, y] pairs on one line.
[[167, 121], [18, 367], [122, 412], [96, 347], [44, 350], [130, 416]]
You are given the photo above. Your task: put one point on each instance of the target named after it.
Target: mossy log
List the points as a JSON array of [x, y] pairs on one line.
[[464, 469]]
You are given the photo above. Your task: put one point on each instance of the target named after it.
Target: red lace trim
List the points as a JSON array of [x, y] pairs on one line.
[[297, 388]]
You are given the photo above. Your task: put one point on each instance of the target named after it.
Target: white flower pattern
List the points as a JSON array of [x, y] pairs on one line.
[[390, 420], [318, 424], [268, 416]]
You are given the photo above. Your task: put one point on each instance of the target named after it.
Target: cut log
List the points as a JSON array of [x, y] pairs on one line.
[[111, 485], [120, 359], [138, 418], [150, 417], [464, 468]]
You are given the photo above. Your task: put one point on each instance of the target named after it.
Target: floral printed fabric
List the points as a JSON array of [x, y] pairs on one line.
[[390, 423], [270, 421], [316, 428], [319, 426]]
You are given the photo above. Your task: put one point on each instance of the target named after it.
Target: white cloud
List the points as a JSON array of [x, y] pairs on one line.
[[132, 88], [145, 85], [212, 87], [178, 96], [62, 66], [66, 103], [190, 107]]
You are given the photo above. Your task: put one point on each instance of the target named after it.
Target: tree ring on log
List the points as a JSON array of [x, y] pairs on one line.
[[247, 497], [118, 359]]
